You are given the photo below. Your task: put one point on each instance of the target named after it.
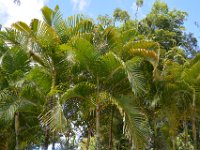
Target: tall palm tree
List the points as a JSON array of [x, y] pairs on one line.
[[43, 45], [190, 76], [12, 102], [98, 57], [99, 65]]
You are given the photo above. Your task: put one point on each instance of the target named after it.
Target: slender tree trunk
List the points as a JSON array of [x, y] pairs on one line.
[[88, 140], [118, 146], [154, 134], [186, 132], [17, 144], [131, 144], [54, 78], [53, 145], [173, 143], [46, 141], [198, 140], [97, 127], [61, 145], [111, 128], [50, 102], [194, 133], [53, 141], [97, 118]]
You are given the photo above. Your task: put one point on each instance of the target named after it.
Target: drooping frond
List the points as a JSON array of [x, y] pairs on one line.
[[54, 118], [111, 37], [10, 103], [14, 38], [195, 59], [40, 34], [81, 90], [192, 74], [148, 45], [135, 122], [15, 62], [147, 50], [112, 73], [150, 56], [136, 76]]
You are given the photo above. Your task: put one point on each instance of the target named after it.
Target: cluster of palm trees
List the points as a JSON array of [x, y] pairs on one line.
[[101, 87]]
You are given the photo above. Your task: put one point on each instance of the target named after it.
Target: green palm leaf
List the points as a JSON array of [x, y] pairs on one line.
[[135, 122], [54, 118]]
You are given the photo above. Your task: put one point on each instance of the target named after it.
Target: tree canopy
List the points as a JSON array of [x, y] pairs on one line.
[[81, 83]]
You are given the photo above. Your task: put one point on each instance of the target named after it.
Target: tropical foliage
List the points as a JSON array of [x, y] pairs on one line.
[[114, 83]]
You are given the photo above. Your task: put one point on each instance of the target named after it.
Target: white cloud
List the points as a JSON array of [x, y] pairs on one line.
[[80, 5], [140, 14], [26, 11]]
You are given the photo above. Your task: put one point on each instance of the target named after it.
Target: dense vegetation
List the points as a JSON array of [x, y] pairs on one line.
[[114, 83]]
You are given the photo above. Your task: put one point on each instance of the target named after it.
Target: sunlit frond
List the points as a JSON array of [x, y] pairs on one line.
[[81, 90], [54, 118]]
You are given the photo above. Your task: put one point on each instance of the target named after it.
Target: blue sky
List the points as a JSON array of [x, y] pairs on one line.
[[95, 7], [29, 9]]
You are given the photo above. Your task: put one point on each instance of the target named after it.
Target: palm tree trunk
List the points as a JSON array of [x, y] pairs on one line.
[[53, 141], [118, 146], [54, 78], [53, 145], [61, 145], [173, 143], [46, 141], [17, 144], [154, 133], [97, 127], [186, 131], [51, 99], [97, 118], [88, 140], [194, 133], [111, 128]]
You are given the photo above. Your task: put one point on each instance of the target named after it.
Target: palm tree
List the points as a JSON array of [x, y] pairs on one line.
[[176, 94], [12, 102], [98, 62], [43, 45], [190, 76]]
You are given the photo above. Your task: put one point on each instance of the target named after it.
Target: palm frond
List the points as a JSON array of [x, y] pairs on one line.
[[136, 76], [150, 56], [39, 33], [47, 14], [8, 109], [41, 79], [111, 37], [85, 54], [81, 90], [54, 118], [192, 74], [135, 122]]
